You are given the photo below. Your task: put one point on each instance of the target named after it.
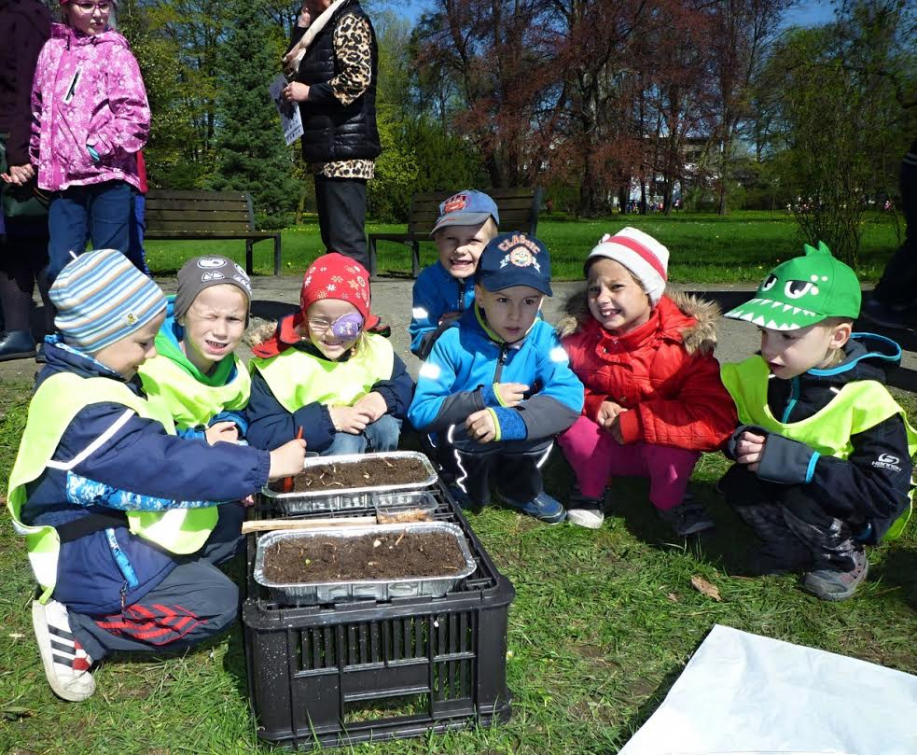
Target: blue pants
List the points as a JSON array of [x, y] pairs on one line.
[[381, 435], [100, 213], [136, 253], [195, 602]]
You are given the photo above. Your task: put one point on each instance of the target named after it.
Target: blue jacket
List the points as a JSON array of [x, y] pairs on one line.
[[270, 425], [468, 359], [435, 293], [140, 467]]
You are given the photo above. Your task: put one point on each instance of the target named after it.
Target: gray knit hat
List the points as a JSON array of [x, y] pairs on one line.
[[101, 298], [203, 272]]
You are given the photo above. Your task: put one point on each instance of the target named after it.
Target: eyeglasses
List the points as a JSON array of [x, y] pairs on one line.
[[86, 7]]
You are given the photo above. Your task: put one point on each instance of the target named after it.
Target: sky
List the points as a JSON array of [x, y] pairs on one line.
[[805, 13]]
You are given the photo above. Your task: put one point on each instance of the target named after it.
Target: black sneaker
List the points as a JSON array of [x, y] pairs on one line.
[[686, 519], [829, 584]]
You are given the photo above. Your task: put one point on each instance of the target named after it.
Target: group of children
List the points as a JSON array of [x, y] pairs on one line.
[[147, 436]]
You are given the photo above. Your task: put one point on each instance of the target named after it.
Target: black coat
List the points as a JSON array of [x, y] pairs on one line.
[[331, 131]]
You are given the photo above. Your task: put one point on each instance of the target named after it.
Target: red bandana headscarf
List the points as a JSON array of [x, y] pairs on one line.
[[331, 276]]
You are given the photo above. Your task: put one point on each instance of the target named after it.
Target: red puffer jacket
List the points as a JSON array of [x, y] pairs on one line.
[[664, 372]]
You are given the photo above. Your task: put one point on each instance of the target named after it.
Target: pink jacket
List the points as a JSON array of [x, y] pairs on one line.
[[87, 91]]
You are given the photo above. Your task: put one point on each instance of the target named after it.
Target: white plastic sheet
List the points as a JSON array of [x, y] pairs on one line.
[[743, 694]]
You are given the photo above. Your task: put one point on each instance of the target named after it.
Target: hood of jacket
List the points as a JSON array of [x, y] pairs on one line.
[[867, 356], [76, 38], [683, 317], [63, 358]]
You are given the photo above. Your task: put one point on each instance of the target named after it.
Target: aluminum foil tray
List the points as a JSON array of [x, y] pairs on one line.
[[308, 502], [380, 590]]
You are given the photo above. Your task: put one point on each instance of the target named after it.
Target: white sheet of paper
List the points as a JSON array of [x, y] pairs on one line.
[[290, 119], [743, 694]]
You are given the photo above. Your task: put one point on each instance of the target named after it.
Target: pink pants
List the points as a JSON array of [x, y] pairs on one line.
[[595, 456]]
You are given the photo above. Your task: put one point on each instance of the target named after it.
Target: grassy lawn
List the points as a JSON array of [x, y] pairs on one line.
[[602, 625], [705, 248]]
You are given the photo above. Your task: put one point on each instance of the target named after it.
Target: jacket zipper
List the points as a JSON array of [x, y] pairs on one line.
[[794, 398], [504, 349]]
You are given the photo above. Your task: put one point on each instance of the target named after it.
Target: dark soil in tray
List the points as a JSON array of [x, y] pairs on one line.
[[360, 474], [393, 555]]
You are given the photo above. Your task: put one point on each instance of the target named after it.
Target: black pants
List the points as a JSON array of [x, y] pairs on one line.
[[514, 465], [342, 216], [899, 280], [790, 522]]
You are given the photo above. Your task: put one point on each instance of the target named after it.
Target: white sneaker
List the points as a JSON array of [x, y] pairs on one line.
[[66, 662], [589, 518]]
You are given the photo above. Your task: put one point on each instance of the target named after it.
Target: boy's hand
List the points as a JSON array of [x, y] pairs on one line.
[[349, 419], [373, 405], [226, 432], [608, 412], [288, 460], [481, 426], [750, 449], [511, 394]]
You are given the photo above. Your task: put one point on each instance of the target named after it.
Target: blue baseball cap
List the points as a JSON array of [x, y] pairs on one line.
[[515, 259], [468, 207]]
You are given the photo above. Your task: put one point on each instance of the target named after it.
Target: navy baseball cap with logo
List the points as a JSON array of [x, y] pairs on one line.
[[468, 207], [515, 259]]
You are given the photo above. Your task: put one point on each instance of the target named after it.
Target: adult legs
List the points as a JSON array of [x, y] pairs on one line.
[[341, 206]]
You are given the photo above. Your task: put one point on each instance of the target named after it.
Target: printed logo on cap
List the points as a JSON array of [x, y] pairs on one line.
[[243, 282], [455, 203], [211, 262], [212, 276], [520, 257], [131, 318], [240, 270]]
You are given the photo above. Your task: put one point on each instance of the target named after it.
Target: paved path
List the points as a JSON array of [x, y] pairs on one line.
[[392, 301]]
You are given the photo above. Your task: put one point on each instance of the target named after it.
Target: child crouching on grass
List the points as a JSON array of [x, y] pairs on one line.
[[654, 400], [196, 372], [497, 386], [823, 450], [321, 376], [124, 522]]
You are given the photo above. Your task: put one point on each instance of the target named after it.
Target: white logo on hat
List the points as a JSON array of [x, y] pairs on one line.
[[240, 270], [211, 262], [520, 257], [243, 281], [212, 276]]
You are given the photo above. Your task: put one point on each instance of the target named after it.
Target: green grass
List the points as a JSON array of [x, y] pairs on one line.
[[602, 624], [705, 248]]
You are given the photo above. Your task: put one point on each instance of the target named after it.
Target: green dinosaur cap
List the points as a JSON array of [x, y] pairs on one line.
[[803, 291]]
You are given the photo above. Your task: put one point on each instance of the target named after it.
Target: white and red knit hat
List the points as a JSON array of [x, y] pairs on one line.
[[640, 253]]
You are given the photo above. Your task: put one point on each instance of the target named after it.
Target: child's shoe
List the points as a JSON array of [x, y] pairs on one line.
[[584, 511], [687, 518], [829, 584], [542, 507], [66, 662]]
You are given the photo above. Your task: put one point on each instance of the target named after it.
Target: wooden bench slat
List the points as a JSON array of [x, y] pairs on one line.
[[204, 234], [198, 206], [155, 217], [188, 195]]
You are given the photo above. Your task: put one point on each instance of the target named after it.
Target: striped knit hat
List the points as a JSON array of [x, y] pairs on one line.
[[646, 258], [101, 298]]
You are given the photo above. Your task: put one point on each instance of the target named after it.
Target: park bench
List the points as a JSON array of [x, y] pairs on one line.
[[206, 215], [518, 210]]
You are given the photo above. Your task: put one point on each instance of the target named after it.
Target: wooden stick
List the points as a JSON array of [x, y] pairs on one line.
[[265, 525]]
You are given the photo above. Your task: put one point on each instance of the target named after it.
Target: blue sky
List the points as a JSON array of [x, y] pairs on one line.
[[805, 13]]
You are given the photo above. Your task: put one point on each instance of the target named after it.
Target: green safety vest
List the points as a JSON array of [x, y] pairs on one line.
[[297, 378], [191, 402], [858, 406], [56, 402]]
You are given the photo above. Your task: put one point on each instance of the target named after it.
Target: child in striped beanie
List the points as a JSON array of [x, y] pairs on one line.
[[123, 520]]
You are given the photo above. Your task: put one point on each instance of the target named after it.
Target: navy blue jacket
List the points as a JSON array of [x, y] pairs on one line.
[[869, 489], [434, 294], [139, 467], [270, 425]]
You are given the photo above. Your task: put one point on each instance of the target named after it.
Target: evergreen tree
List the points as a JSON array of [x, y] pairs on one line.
[[251, 154]]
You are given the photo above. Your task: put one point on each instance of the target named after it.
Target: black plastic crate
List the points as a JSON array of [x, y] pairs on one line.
[[369, 671]]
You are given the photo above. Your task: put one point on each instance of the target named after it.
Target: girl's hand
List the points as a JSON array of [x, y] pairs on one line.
[[373, 405], [511, 394], [614, 428], [225, 432], [288, 460], [481, 427], [608, 412], [296, 92], [304, 17], [750, 449], [349, 419], [19, 175]]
